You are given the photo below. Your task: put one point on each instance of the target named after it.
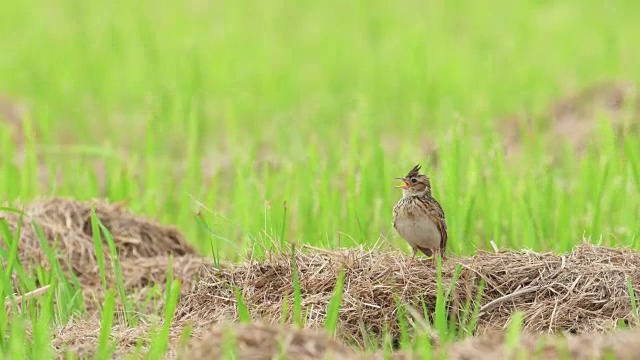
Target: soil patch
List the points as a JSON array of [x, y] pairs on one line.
[[265, 342], [268, 342], [247, 341], [260, 341], [12, 113], [621, 344], [573, 119], [577, 292]]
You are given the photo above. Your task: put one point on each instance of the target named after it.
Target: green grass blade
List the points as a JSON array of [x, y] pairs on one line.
[[440, 315], [244, 316], [4, 318], [333, 307], [598, 200], [297, 291], [68, 301], [284, 315], [97, 243], [512, 339], [169, 282], [633, 162], [632, 299], [41, 334], [283, 226], [108, 312], [159, 345], [115, 265], [18, 343]]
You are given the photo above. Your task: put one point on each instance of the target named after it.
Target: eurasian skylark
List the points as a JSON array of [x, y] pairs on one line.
[[418, 217]]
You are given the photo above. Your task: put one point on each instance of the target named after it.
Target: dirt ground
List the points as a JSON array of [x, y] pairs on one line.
[[258, 341], [573, 121], [582, 293]]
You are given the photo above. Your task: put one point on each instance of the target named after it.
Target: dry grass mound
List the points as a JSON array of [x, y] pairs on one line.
[[145, 280], [143, 246], [580, 291]]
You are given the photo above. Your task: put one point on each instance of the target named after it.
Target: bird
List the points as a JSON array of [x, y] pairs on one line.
[[418, 217]]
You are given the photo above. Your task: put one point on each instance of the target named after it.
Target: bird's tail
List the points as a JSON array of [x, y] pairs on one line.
[[429, 252], [426, 251]]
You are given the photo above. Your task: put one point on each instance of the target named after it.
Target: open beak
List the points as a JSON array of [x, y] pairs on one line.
[[405, 183]]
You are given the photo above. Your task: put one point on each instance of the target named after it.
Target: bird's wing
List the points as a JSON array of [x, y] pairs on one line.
[[441, 224]]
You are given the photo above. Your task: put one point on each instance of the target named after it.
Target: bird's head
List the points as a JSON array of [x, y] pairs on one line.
[[415, 184]]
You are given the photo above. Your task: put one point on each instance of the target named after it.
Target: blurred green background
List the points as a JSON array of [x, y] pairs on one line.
[[231, 108]]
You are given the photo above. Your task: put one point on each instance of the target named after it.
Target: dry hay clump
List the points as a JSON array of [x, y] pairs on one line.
[[145, 280], [143, 246], [580, 291]]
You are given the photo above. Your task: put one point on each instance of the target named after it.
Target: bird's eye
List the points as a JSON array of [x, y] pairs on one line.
[[413, 180]]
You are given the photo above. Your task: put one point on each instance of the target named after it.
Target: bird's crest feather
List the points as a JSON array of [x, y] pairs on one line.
[[414, 172]]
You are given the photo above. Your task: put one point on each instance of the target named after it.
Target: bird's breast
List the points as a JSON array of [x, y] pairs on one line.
[[416, 228]]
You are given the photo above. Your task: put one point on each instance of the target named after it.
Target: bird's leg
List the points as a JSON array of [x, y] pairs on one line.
[[434, 261], [412, 257]]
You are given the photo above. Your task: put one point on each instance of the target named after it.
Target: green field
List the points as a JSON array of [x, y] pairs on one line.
[[275, 122]]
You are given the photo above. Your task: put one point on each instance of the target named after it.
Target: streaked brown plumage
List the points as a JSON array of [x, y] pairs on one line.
[[418, 217]]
